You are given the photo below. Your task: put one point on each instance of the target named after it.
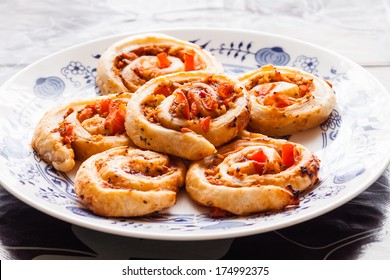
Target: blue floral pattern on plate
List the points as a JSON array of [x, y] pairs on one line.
[[49, 87], [308, 64], [350, 144], [270, 55], [77, 73]]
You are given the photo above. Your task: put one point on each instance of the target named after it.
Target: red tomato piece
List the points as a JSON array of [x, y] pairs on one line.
[[162, 60], [189, 60], [205, 124], [115, 120], [181, 98], [288, 154]]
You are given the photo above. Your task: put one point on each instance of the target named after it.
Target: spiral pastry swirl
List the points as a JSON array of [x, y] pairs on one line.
[[252, 174], [80, 129], [187, 114], [286, 100], [128, 182], [131, 62]]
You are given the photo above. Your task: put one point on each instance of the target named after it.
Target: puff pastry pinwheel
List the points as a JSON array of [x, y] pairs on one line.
[[129, 63], [252, 174], [286, 100], [187, 114], [127, 182], [80, 129]]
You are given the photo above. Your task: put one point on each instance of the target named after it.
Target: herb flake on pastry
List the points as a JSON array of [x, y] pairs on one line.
[[131, 62], [129, 182], [187, 114], [77, 130], [286, 100], [252, 174]]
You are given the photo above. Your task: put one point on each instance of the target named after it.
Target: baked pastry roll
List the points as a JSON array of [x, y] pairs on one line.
[[127, 182], [286, 100], [131, 62], [252, 174], [187, 114], [80, 129]]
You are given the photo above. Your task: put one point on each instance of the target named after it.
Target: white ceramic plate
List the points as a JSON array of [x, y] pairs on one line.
[[353, 144]]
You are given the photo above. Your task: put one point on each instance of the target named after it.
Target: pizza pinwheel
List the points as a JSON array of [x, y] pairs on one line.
[[286, 100], [129, 182], [187, 114], [80, 129], [131, 62], [252, 174]]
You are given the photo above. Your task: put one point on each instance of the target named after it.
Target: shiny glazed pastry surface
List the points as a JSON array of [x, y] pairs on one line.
[[77, 130], [131, 62], [127, 182], [187, 114], [287, 100], [252, 174]]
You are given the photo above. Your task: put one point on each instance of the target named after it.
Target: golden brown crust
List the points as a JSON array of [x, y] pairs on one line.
[[129, 63], [286, 100], [250, 175], [76, 131], [187, 114], [127, 182]]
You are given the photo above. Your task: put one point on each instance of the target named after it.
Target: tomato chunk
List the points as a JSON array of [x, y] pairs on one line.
[[205, 124], [65, 129], [288, 154], [115, 120], [260, 160], [278, 100], [258, 156], [181, 98], [86, 113], [282, 77], [189, 60], [163, 90], [162, 60], [225, 90], [105, 106]]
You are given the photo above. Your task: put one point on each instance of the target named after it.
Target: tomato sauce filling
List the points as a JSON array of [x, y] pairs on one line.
[[198, 102], [105, 117], [189, 57], [279, 90], [261, 161]]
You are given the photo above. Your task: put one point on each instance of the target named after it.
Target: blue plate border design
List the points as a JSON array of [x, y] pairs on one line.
[[346, 143]]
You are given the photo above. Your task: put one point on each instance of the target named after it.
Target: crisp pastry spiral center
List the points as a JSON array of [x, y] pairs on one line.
[[194, 105], [122, 170], [252, 160], [147, 67], [246, 166], [281, 90], [104, 117], [198, 100], [140, 65], [147, 165]]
